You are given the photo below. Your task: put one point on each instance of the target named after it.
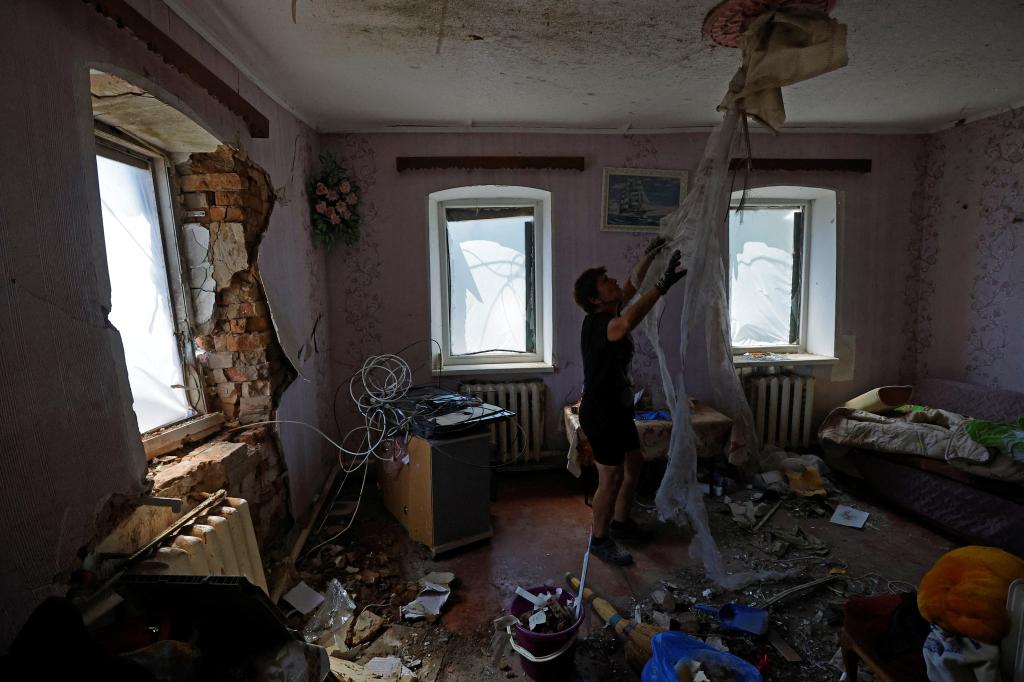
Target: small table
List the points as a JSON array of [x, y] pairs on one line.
[[712, 428]]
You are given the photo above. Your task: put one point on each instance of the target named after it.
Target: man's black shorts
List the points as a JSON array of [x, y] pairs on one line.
[[612, 433]]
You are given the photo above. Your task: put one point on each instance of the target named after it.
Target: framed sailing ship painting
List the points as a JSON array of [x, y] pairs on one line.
[[636, 199]]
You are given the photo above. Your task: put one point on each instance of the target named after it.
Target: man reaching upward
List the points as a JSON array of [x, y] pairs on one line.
[[606, 411]]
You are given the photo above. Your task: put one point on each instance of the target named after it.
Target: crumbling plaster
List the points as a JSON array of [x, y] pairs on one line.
[[607, 65], [70, 439]]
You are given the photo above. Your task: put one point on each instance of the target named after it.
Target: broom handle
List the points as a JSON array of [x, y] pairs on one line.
[[603, 608], [637, 634]]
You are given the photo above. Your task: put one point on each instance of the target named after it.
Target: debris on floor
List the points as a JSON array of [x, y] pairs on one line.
[[436, 588], [548, 613], [389, 578]]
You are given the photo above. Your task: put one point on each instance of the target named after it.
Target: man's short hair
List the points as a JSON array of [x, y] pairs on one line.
[[585, 288]]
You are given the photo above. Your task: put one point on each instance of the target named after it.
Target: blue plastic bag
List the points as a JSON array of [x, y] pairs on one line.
[[670, 648]]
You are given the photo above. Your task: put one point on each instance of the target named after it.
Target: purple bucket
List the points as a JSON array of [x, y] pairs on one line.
[[539, 645]]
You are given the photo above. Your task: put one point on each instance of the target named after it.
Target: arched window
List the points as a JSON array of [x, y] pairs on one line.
[[782, 270], [490, 273]]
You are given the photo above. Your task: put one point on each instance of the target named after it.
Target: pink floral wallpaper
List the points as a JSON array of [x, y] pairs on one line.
[[378, 289], [964, 293]]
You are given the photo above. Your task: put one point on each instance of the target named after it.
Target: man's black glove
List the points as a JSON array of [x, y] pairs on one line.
[[671, 275], [655, 244]]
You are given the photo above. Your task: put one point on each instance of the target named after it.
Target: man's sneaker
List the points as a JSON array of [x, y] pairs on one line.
[[628, 531], [608, 550], [623, 530]]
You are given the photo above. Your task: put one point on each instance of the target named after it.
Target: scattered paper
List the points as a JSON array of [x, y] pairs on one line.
[[848, 516], [304, 598], [433, 595], [537, 618]]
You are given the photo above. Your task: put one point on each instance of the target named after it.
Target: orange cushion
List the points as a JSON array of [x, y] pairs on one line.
[[965, 592]]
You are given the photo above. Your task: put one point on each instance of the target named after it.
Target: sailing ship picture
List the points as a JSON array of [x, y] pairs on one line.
[[636, 199]]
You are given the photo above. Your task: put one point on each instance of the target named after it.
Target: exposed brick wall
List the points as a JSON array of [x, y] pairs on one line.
[[251, 468], [226, 202], [244, 367]]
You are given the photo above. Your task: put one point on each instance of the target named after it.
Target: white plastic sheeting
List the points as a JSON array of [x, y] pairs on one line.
[[139, 295], [812, 45], [761, 293], [487, 265], [704, 319]]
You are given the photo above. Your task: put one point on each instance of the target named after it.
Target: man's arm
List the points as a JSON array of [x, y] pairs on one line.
[[640, 271], [629, 318]]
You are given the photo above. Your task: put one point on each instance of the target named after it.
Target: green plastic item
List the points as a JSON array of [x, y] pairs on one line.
[[1006, 437]]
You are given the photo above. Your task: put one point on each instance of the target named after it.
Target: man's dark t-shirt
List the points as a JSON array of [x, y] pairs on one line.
[[605, 365], [606, 412]]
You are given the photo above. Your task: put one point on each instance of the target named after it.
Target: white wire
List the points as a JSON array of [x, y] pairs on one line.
[[385, 380], [351, 520]]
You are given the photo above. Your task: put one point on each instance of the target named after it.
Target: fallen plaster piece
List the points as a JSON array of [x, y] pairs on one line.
[[664, 600], [390, 666], [366, 626], [227, 252], [662, 620], [304, 598], [347, 671]]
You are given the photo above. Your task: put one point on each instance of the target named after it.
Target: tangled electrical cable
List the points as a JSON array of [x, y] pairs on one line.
[[385, 380], [384, 396]]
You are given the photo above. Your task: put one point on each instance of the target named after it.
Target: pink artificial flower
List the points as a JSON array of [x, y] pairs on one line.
[[321, 188], [321, 207], [334, 219], [351, 199], [344, 187], [343, 210], [332, 196]]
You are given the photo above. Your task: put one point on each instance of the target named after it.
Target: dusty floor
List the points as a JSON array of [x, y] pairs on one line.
[[540, 527]]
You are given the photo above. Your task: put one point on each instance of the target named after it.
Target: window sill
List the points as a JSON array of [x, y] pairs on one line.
[[786, 359], [502, 368], [171, 437]]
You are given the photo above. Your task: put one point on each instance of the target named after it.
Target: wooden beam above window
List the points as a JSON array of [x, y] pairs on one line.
[[816, 165], [127, 17], [407, 163]]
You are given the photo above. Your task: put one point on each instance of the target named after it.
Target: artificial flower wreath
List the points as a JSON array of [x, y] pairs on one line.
[[334, 203]]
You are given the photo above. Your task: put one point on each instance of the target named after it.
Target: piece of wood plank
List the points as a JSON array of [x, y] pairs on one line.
[[127, 17], [816, 165], [783, 647], [300, 542], [173, 437], [408, 163]]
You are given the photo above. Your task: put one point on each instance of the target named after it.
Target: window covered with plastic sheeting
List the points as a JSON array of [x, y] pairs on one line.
[[766, 245], [491, 267], [141, 306], [490, 278]]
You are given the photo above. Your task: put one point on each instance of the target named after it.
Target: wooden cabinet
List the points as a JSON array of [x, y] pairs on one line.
[[442, 496]]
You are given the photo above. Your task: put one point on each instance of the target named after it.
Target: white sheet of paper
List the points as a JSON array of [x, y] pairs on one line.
[[304, 598], [538, 618], [848, 516], [474, 412]]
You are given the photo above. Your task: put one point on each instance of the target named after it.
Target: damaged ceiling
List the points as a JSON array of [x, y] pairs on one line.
[[601, 64], [122, 105]]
